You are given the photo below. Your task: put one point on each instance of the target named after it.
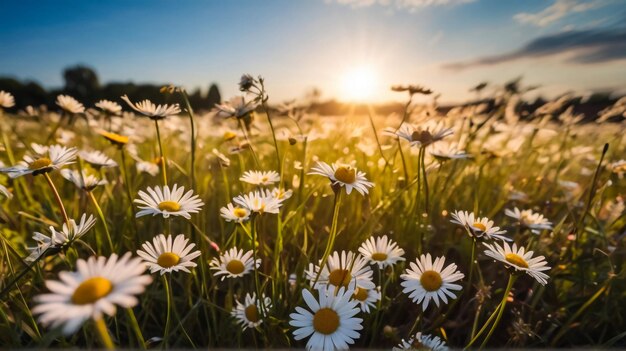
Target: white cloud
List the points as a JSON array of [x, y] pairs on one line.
[[410, 5], [555, 12]]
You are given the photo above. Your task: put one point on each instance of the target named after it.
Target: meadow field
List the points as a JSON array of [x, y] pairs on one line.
[[258, 224]]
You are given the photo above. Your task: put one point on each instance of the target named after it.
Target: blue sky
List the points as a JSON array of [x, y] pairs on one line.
[[448, 45]]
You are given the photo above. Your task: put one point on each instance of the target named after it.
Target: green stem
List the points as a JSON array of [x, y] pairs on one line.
[[193, 139], [102, 218], [136, 329], [58, 199], [333, 234], [423, 165], [163, 162], [103, 332], [269, 119], [245, 134], [168, 294], [257, 285]]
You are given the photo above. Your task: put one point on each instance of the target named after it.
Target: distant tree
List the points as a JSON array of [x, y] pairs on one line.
[[213, 96], [82, 83]]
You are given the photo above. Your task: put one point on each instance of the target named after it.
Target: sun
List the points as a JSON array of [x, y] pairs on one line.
[[359, 84]]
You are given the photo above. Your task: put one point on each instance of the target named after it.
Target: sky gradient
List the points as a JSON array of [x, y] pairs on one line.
[[447, 45]]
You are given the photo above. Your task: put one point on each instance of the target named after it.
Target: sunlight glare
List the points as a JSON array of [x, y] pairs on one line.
[[359, 84]]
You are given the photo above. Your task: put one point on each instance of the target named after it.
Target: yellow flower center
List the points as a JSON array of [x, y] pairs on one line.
[[169, 206], [264, 179], [40, 163], [158, 161], [417, 345], [361, 294], [345, 174], [228, 135], [168, 259], [431, 281], [235, 267], [115, 138], [339, 277], [423, 136], [379, 256], [240, 212], [516, 260], [252, 313], [480, 226], [91, 290], [326, 321]]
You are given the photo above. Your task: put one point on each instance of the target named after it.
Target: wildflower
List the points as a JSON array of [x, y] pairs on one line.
[[260, 177], [97, 159], [6, 99], [618, 167], [426, 280], [519, 260], [115, 139], [93, 290], [343, 175], [110, 107], [56, 157], [234, 263], [82, 180], [168, 202], [60, 239], [412, 89], [281, 194], [422, 342], [367, 298], [235, 107], [246, 82], [381, 251], [147, 167], [422, 136], [69, 104], [259, 202], [330, 323], [151, 110], [447, 151], [166, 256], [342, 270], [249, 313], [478, 227], [527, 218], [234, 214]]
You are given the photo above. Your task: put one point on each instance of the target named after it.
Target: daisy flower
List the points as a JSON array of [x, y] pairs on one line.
[[82, 180], [246, 82], [536, 222], [281, 194], [69, 104], [92, 290], [331, 323], [235, 107], [478, 227], [110, 107], [423, 136], [447, 151], [367, 298], [168, 202], [347, 269], [97, 159], [234, 214], [60, 239], [519, 260], [249, 313], [259, 202], [56, 157], [149, 109], [426, 280], [6, 99], [343, 175], [260, 177], [234, 263], [422, 342], [166, 256], [381, 251]]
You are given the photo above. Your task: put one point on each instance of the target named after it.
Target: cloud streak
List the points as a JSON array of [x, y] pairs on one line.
[[555, 12], [584, 47]]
